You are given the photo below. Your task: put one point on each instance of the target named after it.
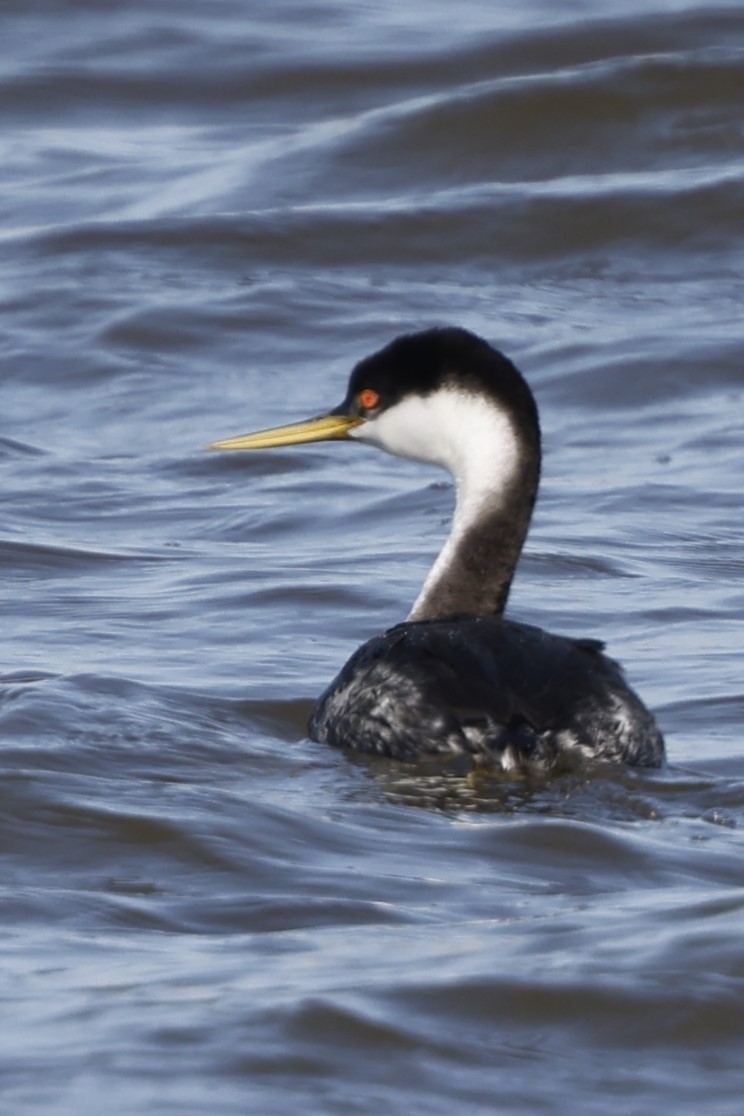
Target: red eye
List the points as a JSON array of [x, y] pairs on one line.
[[368, 399]]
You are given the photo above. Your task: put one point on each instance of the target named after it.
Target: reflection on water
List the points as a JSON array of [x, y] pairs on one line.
[[207, 219]]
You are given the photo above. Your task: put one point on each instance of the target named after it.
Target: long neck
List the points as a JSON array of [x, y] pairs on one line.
[[496, 491], [493, 452], [474, 570]]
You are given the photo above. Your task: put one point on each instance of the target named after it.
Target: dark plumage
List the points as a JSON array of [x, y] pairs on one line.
[[503, 693], [457, 678]]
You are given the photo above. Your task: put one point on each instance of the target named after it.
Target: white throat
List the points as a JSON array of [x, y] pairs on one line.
[[473, 438]]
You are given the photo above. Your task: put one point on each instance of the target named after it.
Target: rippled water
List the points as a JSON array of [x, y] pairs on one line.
[[209, 213]]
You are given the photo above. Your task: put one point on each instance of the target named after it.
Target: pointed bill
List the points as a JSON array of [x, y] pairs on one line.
[[324, 428]]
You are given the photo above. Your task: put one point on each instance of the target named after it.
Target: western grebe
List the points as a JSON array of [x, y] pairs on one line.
[[457, 678]]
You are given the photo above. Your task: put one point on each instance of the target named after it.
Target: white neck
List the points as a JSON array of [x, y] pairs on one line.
[[476, 441]]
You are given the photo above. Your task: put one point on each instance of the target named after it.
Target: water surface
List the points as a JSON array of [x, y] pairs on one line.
[[209, 215]]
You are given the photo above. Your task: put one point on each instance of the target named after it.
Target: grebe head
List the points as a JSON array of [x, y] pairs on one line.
[[445, 397], [442, 396]]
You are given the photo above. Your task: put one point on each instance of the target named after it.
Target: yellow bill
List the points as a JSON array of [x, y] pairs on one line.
[[324, 428]]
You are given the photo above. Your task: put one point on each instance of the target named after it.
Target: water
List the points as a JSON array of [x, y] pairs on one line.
[[209, 213]]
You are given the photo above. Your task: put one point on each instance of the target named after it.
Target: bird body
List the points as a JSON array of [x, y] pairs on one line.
[[505, 694], [457, 678]]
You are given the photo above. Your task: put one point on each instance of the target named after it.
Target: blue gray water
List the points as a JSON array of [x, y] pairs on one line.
[[209, 212]]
